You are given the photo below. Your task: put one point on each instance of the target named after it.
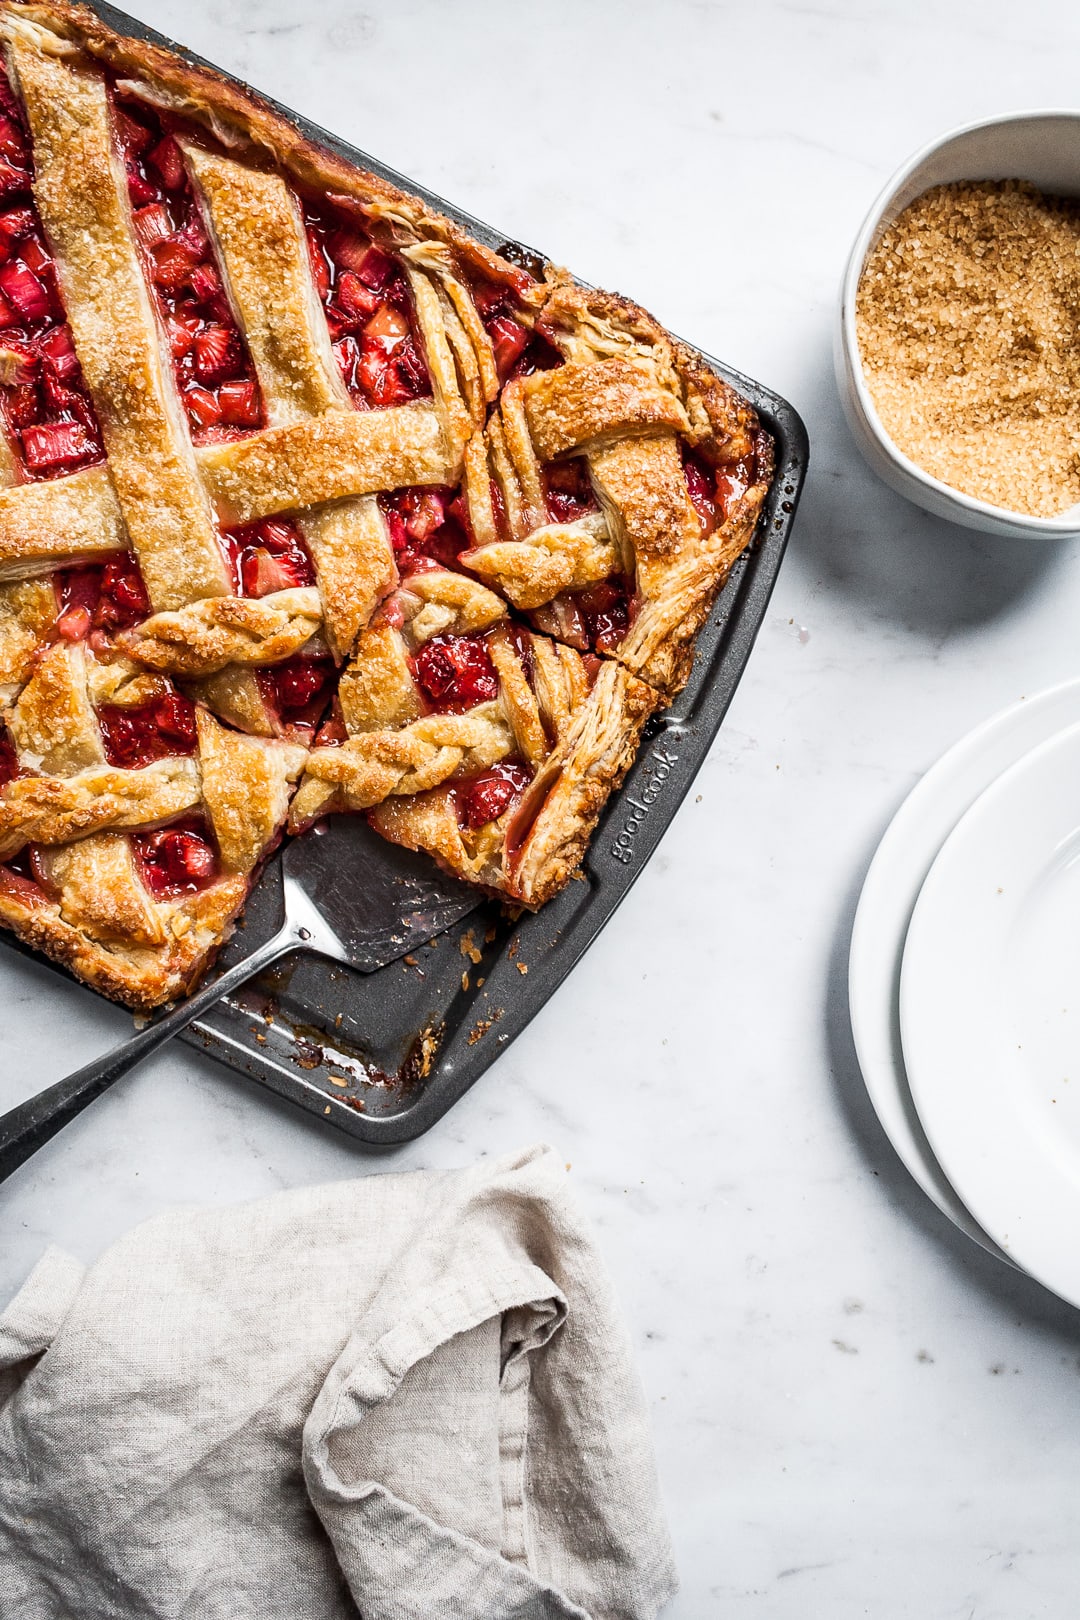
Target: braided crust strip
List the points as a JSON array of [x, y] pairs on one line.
[[203, 638], [56, 809], [537, 846]]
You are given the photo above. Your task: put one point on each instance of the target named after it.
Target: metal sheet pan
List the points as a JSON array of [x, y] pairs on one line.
[[382, 1056]]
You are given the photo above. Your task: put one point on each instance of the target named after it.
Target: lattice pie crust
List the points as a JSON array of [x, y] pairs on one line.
[[310, 503]]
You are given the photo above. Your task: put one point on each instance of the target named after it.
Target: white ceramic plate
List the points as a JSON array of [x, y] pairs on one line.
[[904, 857], [990, 1011]]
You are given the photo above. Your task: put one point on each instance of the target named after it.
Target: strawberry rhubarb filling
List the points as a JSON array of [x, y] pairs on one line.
[[369, 310], [267, 556], [97, 602], [176, 861], [213, 368], [47, 414]]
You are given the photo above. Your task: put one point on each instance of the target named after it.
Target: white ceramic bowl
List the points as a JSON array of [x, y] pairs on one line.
[[1043, 147]]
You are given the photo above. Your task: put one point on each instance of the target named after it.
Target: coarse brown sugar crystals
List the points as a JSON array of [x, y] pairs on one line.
[[968, 320]]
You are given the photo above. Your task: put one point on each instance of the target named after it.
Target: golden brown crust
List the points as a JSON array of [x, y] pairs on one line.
[[342, 453], [577, 781], [263, 251], [56, 809], [27, 615], [53, 724], [206, 637], [245, 789], [81, 193], [75, 519], [140, 977]]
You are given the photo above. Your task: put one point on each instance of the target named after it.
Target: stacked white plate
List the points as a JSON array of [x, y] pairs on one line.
[[964, 986]]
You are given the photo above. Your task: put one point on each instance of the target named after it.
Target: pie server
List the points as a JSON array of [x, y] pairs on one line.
[[346, 897]]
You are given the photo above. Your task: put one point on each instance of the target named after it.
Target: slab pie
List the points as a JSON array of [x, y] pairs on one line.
[[309, 504]]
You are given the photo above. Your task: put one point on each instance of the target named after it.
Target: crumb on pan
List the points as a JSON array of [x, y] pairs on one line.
[[967, 312]]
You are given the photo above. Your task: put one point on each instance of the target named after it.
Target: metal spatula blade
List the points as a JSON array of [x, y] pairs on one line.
[[348, 895], [376, 901]]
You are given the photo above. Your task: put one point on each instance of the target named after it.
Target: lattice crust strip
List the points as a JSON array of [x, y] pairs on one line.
[[469, 521]]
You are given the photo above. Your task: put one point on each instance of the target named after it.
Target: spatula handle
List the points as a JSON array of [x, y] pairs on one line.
[[32, 1123]]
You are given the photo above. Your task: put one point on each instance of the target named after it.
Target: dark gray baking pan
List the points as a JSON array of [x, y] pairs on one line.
[[384, 1055]]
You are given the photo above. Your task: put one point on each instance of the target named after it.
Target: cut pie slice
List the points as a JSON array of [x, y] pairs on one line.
[[464, 733], [287, 458]]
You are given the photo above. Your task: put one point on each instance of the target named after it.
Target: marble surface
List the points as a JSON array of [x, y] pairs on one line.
[[856, 1411]]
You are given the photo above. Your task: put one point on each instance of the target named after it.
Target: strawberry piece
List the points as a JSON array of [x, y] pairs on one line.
[[7, 314], [380, 379], [240, 404], [387, 327], [74, 624], [206, 288], [122, 599], [174, 716], [489, 796], [58, 398], [376, 269], [298, 683], [183, 330], [55, 444], [456, 673], [175, 861], [57, 349], [192, 234], [12, 141], [152, 224], [35, 257], [270, 556], [18, 363], [9, 760], [354, 299], [202, 406], [412, 370], [134, 135], [490, 299], [261, 573], [174, 264], [162, 729], [606, 610], [427, 515], [24, 292], [23, 406], [508, 339], [14, 225], [168, 160], [140, 189], [568, 489], [12, 179], [348, 248], [564, 620], [217, 354]]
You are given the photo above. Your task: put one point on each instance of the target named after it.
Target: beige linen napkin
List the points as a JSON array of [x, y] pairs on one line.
[[409, 1395]]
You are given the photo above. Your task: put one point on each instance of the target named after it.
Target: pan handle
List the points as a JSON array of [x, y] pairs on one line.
[[32, 1123]]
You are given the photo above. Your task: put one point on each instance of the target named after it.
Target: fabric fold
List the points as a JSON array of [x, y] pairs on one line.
[[32, 1320], [401, 1396]]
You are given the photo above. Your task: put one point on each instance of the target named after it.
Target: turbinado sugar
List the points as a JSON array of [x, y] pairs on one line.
[[968, 319]]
